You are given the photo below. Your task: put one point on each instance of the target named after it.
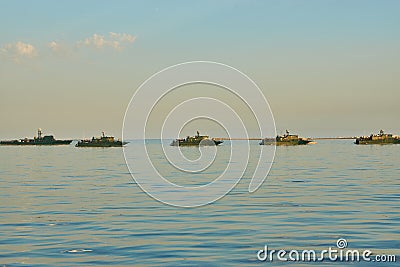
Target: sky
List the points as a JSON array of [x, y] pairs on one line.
[[327, 68]]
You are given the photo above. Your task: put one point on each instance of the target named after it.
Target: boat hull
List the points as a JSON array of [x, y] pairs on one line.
[[90, 144], [207, 142], [285, 143], [35, 143], [377, 142]]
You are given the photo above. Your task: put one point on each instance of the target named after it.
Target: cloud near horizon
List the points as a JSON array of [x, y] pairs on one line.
[[19, 50], [117, 41], [113, 40], [54, 46]]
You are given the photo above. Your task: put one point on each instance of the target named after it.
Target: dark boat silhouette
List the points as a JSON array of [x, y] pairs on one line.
[[197, 140], [102, 141], [40, 140]]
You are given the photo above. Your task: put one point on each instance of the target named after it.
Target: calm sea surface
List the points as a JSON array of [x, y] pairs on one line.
[[67, 206]]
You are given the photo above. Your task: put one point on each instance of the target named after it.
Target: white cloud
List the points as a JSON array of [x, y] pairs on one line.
[[54, 46], [113, 40], [59, 48], [19, 50], [122, 37], [24, 49], [95, 40]]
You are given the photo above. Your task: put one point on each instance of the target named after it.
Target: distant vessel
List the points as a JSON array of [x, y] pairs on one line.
[[47, 140], [203, 140], [102, 141], [380, 139], [285, 140]]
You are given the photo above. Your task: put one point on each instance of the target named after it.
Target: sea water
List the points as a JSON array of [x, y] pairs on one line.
[[67, 206]]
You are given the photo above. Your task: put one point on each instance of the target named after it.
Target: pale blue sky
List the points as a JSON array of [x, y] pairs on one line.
[[326, 67]]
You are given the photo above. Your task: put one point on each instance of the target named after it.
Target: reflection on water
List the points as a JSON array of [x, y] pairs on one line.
[[66, 206]]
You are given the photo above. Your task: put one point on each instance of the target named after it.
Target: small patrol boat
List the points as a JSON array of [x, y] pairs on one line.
[[378, 139], [102, 141], [39, 140], [197, 140], [286, 140]]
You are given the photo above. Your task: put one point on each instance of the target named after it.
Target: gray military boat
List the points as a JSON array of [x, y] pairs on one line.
[[39, 140], [286, 140], [202, 140], [102, 141], [378, 139]]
